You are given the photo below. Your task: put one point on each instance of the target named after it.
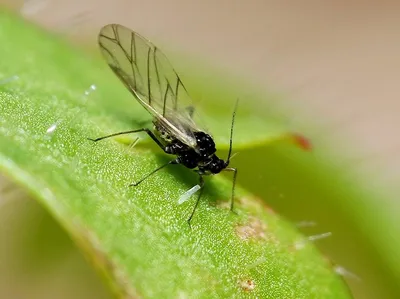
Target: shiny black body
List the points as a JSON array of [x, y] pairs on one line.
[[203, 156]]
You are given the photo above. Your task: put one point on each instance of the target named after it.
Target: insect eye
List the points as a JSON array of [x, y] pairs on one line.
[[217, 165]]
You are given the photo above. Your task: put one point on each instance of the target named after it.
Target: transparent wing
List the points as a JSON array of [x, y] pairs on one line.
[[147, 73]]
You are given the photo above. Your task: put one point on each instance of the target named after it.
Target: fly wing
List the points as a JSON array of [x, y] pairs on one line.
[[147, 73]]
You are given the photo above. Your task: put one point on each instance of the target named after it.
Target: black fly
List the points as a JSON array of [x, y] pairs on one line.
[[148, 75]]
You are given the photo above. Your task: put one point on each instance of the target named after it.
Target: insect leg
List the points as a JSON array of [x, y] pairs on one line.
[[201, 184], [153, 172], [150, 133], [234, 170]]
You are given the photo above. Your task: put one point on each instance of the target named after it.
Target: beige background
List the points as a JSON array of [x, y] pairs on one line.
[[337, 61]]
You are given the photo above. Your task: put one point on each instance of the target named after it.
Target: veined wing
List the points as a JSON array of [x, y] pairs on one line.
[[147, 73]]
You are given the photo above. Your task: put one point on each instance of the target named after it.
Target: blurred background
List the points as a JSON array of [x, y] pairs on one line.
[[337, 62]]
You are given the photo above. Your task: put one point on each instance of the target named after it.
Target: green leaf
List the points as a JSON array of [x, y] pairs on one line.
[[139, 236]]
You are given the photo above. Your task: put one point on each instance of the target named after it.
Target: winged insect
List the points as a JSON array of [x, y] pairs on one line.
[[147, 74]]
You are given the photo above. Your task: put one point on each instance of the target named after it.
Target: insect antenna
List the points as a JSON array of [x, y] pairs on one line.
[[231, 136]]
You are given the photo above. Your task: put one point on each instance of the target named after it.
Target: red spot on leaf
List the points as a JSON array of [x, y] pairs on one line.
[[302, 141]]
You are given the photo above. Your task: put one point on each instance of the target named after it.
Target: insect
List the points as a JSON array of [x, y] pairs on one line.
[[147, 74]]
